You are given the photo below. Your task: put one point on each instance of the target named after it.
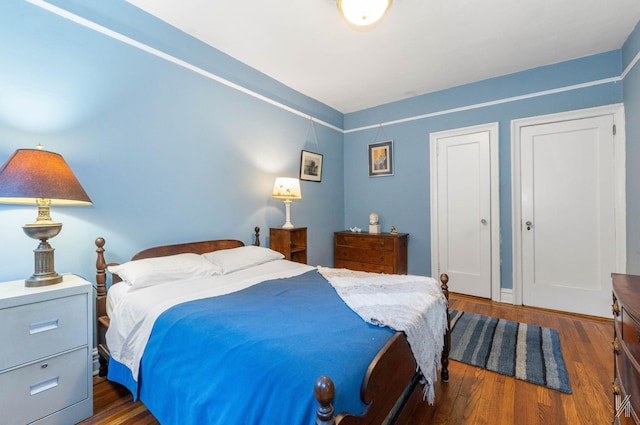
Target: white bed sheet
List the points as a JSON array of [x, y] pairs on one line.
[[135, 310]]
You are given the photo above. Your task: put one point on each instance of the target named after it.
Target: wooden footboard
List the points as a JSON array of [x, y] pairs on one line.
[[385, 382]]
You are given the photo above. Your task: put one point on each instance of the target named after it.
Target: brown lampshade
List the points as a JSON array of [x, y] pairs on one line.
[[32, 174]]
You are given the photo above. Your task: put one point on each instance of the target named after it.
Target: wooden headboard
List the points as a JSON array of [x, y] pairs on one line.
[[201, 247], [158, 251]]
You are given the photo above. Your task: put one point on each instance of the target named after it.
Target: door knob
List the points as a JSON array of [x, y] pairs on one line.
[[528, 223]]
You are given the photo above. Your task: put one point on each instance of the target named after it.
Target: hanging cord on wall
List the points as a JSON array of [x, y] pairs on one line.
[[315, 136], [380, 127]]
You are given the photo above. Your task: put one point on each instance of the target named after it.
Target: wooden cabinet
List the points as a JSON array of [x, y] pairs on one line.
[[45, 357], [626, 348], [292, 243], [380, 253]]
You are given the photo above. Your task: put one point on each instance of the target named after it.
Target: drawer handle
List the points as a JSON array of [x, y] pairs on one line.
[[44, 386], [49, 325], [615, 346], [615, 308], [616, 388]]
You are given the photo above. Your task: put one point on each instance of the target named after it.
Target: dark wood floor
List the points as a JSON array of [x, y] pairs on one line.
[[472, 395]]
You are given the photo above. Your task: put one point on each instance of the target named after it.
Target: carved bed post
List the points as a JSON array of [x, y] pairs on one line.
[[101, 306], [257, 241], [324, 391], [444, 373], [101, 266]]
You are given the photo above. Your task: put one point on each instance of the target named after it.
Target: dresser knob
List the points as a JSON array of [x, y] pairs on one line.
[[615, 346], [615, 308], [616, 387]]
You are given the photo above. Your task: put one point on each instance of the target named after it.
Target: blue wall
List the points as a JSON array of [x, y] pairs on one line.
[[402, 200], [632, 112], [170, 154], [166, 153]]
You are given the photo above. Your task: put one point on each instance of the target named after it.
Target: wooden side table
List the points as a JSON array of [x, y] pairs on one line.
[[292, 243]]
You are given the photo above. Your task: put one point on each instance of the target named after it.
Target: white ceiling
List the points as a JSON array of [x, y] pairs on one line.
[[421, 46]]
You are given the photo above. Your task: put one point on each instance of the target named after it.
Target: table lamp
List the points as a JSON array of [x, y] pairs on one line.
[[36, 176], [287, 188]]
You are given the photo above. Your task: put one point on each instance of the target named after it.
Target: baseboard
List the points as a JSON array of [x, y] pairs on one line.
[[506, 295]]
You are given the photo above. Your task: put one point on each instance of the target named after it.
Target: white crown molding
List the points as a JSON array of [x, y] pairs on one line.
[[120, 37]]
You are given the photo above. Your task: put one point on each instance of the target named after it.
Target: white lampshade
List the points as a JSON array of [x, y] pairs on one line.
[[363, 13], [287, 188]]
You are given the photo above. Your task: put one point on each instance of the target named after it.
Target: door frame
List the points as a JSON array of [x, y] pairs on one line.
[[617, 110], [493, 130]]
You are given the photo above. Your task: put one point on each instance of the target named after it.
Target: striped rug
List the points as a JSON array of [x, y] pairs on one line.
[[527, 352]]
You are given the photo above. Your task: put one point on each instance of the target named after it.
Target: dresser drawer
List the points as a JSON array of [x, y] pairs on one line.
[[365, 267], [630, 332], [629, 379], [44, 387], [41, 329], [363, 255], [366, 242]]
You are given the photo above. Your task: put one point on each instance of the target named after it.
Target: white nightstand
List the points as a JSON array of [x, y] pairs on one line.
[[45, 352]]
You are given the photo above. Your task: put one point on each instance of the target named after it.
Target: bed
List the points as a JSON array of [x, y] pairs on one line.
[[185, 317]]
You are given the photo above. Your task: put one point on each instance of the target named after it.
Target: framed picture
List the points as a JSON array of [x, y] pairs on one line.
[[381, 159], [311, 166]]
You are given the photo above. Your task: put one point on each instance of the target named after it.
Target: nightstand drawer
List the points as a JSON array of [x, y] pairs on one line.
[[33, 331], [39, 389]]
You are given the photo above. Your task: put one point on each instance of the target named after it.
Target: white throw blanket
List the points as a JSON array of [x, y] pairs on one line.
[[408, 303]]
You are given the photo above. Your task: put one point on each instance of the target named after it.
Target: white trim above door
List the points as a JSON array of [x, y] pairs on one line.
[[483, 222]]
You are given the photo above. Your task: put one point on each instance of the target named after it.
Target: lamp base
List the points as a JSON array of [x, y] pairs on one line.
[[44, 273], [35, 281], [287, 214]]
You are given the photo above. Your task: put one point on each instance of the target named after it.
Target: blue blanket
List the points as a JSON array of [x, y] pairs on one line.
[[252, 357]]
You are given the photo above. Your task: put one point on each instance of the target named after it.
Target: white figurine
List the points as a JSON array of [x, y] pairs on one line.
[[374, 227]]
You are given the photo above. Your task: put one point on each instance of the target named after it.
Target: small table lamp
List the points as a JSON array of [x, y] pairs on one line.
[[287, 188], [34, 176]]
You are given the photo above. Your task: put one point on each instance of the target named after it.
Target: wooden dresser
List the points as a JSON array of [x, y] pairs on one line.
[[380, 253], [626, 348]]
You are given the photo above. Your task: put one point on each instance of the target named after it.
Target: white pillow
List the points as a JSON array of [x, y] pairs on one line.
[[230, 260], [152, 271]]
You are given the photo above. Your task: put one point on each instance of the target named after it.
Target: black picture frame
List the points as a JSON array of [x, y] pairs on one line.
[[381, 158], [311, 166]]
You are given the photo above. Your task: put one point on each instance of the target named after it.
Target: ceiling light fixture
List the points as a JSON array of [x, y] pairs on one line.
[[363, 13]]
